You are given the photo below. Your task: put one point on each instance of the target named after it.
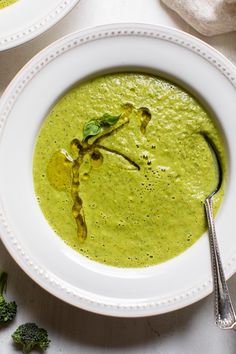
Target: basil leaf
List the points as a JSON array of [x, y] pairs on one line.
[[92, 128], [109, 120], [96, 126]]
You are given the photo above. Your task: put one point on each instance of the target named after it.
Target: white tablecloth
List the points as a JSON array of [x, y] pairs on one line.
[[187, 331]]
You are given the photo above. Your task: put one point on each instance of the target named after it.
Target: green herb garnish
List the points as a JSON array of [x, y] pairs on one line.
[[97, 126]]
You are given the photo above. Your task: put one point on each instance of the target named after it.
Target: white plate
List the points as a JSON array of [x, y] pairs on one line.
[[25, 232], [26, 19]]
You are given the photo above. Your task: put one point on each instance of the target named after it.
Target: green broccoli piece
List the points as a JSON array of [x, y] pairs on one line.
[[30, 336], [7, 309]]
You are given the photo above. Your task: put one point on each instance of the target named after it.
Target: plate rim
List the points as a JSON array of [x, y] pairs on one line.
[[36, 28], [17, 252]]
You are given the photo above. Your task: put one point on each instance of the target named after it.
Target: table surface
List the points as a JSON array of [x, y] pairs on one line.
[[190, 330]]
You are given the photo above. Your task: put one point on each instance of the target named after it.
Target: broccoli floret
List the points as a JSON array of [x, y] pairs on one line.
[[7, 309], [30, 336]]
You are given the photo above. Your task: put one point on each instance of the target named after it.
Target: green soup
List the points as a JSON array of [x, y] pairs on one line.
[[5, 3], [131, 194]]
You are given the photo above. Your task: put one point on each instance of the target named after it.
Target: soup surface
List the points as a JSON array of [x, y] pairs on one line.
[[5, 3], [121, 169]]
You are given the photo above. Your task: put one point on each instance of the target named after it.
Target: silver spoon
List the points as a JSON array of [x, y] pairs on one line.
[[224, 311]]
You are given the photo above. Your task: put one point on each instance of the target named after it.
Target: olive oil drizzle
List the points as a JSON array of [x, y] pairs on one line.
[[80, 149], [145, 119], [77, 208], [113, 151]]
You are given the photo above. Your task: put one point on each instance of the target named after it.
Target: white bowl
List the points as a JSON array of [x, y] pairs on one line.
[[26, 19], [24, 230]]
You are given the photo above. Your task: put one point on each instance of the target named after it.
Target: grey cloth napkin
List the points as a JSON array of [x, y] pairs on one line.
[[209, 17]]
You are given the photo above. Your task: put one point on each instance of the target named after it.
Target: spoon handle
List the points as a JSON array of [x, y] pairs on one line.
[[224, 311]]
